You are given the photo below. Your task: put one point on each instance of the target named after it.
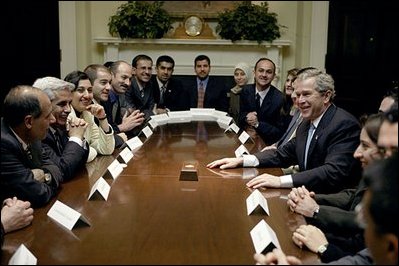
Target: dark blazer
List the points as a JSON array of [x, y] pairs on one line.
[[331, 166], [215, 94], [108, 106], [135, 101], [16, 177], [271, 122], [337, 211], [175, 96], [70, 158]]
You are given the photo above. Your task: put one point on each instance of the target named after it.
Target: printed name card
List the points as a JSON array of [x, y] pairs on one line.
[[22, 256], [115, 168], [243, 137], [101, 187], [225, 120], [256, 200], [153, 123], [161, 119], [65, 215], [179, 117], [126, 154], [218, 114], [134, 143], [147, 131], [264, 238], [233, 127], [241, 150], [202, 114]]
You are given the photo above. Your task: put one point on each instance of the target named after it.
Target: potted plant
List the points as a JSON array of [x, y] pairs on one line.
[[248, 21], [140, 19]]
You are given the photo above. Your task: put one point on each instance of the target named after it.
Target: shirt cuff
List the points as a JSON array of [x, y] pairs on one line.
[[286, 181], [77, 141], [250, 161]]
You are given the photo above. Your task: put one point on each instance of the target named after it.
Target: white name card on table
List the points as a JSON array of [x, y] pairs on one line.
[[264, 238], [161, 119], [202, 114], [153, 123], [147, 131], [240, 151], [65, 215], [126, 154], [225, 120], [100, 187], [179, 117], [115, 168], [255, 200], [244, 136], [22, 256], [233, 127], [134, 143], [217, 114]]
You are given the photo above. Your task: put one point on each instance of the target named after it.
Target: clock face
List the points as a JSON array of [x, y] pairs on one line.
[[193, 25]]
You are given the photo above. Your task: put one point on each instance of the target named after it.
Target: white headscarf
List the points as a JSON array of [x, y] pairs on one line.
[[247, 70]]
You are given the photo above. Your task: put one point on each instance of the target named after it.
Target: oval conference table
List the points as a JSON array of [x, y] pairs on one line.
[[151, 217]]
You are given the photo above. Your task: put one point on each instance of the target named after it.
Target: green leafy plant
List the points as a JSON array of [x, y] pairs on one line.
[[140, 19], [248, 21]]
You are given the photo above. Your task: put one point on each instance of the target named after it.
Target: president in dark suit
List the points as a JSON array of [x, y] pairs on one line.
[[323, 151], [26, 170], [205, 91], [66, 148]]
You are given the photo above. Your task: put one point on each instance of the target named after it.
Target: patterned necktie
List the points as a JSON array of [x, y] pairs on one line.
[[142, 93], [162, 95], [28, 151], [57, 138], [308, 141], [201, 94], [257, 100]]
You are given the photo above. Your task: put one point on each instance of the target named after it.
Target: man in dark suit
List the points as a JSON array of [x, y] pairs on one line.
[[261, 104], [140, 95], [65, 147], [26, 170], [329, 165], [169, 94], [205, 91]]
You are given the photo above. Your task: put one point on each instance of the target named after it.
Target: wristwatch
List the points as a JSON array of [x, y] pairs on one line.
[[322, 249], [47, 178]]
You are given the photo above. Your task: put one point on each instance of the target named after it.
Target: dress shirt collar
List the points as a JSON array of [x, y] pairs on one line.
[[24, 145], [204, 82], [113, 97], [262, 94], [160, 84]]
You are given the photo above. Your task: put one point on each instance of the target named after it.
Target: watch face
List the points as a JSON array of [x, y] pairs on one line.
[[193, 26]]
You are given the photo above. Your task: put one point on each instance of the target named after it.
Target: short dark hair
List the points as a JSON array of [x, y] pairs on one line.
[[165, 58], [382, 179], [140, 57], [91, 71], [202, 57], [267, 59], [75, 76], [21, 101], [392, 114]]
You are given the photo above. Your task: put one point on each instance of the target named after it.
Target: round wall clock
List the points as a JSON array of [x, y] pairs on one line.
[[193, 25]]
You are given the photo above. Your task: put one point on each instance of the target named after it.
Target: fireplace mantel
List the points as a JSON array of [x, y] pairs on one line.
[[224, 54]]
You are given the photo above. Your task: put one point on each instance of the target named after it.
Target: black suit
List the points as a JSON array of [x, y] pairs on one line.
[[134, 100], [16, 176], [215, 94], [271, 123], [175, 96], [330, 166], [70, 158]]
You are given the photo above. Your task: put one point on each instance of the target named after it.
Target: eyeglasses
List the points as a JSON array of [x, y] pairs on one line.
[[361, 222]]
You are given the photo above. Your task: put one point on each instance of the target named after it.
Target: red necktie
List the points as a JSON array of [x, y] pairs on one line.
[[201, 93]]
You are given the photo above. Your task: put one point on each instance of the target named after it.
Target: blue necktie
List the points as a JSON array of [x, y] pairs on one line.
[[309, 139]]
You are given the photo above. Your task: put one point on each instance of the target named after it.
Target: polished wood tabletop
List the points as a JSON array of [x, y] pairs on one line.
[[151, 217]]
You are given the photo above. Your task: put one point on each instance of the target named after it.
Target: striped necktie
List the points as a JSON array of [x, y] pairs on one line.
[[201, 94]]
